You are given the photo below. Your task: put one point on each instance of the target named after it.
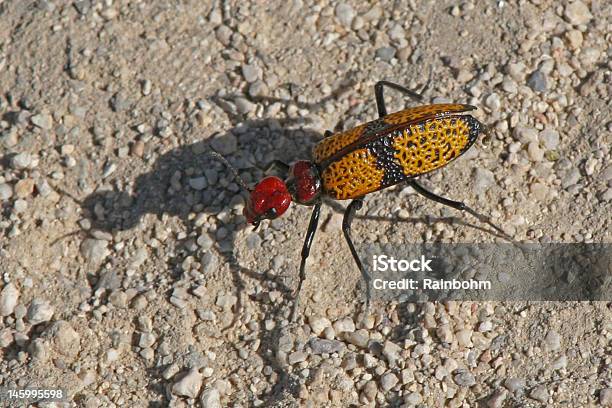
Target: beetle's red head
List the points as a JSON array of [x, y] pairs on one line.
[[268, 200]]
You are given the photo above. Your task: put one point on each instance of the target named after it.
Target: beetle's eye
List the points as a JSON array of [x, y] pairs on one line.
[[271, 213]]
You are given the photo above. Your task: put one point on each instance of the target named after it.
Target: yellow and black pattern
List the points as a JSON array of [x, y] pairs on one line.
[[355, 174], [403, 153], [332, 144], [429, 146]]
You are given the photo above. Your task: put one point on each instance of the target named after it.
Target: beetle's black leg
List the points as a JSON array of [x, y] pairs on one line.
[[312, 227], [328, 133], [278, 163], [457, 205], [380, 101], [349, 214]]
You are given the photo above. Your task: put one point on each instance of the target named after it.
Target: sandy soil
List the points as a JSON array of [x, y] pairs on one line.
[[129, 277]]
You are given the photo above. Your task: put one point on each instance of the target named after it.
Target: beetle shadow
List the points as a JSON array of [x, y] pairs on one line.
[[168, 190]]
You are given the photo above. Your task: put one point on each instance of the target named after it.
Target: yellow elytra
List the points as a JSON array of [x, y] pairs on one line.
[[394, 148]]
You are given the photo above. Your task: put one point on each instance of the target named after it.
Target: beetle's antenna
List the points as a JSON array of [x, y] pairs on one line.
[[223, 160]]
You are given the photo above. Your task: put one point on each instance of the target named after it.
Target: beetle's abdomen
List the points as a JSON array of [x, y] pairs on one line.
[[399, 155]]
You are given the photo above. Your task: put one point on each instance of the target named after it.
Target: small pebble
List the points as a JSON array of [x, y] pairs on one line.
[[146, 87], [485, 326], [205, 241], [509, 86], [21, 161], [251, 73], [549, 138], [225, 145], [391, 351], [39, 311], [43, 187], [170, 371], [386, 53], [464, 338], [484, 179], [525, 134], [345, 324], [560, 363], [224, 35], [516, 71], [138, 148], [189, 385], [6, 191], [20, 206], [209, 262], [359, 338], [345, 14], [109, 168], [539, 393], [514, 384], [552, 341], [574, 37], [571, 177], [146, 340], [8, 299], [493, 102], [24, 188], [112, 355], [215, 17], [94, 250], [297, 357], [537, 81], [244, 106], [253, 241], [210, 398], [464, 378], [119, 102], [198, 183], [535, 153], [42, 120], [413, 399], [577, 13], [324, 346], [497, 399], [370, 390], [318, 324], [388, 381]]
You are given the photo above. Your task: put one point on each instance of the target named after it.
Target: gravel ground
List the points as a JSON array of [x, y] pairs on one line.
[[130, 279]]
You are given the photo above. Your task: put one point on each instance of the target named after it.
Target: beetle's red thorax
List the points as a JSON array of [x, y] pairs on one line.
[[304, 182]]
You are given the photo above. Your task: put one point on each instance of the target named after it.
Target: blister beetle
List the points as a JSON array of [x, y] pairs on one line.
[[392, 149]]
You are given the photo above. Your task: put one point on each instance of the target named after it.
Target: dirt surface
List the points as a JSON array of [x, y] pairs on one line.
[[129, 276]]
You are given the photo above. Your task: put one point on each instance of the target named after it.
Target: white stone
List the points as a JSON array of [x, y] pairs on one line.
[[189, 385], [318, 324], [210, 398], [8, 299], [39, 311]]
